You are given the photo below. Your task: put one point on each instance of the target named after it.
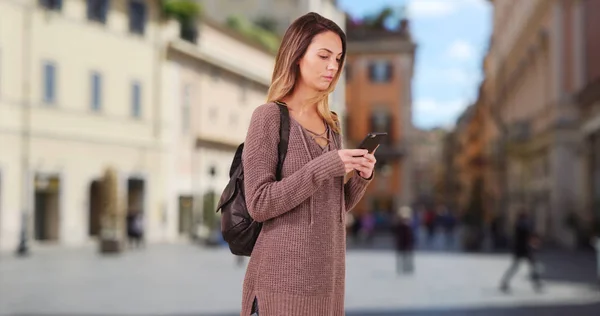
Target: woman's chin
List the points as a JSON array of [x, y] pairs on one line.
[[322, 87]]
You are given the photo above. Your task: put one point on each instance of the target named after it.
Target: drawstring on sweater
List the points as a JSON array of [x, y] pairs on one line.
[[310, 156], [342, 200]]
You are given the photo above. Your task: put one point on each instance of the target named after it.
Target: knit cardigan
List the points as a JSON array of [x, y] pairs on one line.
[[298, 264]]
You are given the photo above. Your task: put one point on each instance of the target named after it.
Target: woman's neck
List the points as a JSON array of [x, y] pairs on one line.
[[301, 101]]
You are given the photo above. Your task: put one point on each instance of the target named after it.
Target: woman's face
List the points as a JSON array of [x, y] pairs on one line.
[[321, 62]]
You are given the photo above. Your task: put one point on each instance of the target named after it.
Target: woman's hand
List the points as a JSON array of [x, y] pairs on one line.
[[359, 160], [353, 159], [367, 165]]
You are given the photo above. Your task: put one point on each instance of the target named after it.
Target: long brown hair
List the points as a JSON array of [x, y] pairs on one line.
[[295, 42]]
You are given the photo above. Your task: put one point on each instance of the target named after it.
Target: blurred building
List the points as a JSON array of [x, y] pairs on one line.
[[427, 150], [588, 98], [210, 93], [278, 15], [87, 85], [533, 69], [79, 94], [472, 192], [378, 92], [447, 183]]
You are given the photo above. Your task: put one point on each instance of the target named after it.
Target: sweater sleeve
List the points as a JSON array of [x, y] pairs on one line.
[[267, 198], [354, 190]]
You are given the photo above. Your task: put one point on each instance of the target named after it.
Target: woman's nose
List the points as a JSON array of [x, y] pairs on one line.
[[333, 65]]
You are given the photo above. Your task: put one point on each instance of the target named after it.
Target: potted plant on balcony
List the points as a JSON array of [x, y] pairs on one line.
[[186, 12]]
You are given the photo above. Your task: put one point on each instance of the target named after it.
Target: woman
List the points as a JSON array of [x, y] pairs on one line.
[[297, 266]]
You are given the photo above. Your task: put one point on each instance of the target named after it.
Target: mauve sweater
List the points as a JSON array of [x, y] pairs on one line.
[[298, 264]]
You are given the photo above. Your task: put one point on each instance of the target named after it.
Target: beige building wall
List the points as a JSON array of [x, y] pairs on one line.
[[530, 73], [67, 138], [284, 12], [211, 91]]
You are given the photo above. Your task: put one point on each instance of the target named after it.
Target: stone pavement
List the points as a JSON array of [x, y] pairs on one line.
[[184, 279]]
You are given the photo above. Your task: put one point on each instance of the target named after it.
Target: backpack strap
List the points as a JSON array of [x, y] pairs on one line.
[[284, 136]]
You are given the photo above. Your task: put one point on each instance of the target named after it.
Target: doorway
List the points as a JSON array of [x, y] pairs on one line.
[[95, 208], [47, 208]]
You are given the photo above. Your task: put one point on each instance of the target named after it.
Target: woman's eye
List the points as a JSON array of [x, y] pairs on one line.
[[324, 57]]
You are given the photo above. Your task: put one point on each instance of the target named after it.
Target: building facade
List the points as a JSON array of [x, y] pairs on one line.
[[283, 13], [378, 92], [70, 108], [87, 85], [427, 153], [210, 94], [588, 98], [532, 71]]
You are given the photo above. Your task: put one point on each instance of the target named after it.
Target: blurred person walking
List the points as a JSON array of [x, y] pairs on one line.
[[430, 221], [449, 222], [404, 237], [524, 245], [297, 266], [367, 226], [135, 229]]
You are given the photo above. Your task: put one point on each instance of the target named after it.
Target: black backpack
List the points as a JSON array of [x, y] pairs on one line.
[[239, 229]]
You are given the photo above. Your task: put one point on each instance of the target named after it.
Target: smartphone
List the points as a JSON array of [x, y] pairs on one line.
[[372, 141]]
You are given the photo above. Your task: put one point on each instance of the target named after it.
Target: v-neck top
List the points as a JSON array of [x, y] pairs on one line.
[[310, 135]]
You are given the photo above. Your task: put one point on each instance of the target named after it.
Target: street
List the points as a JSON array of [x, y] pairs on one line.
[[183, 279]]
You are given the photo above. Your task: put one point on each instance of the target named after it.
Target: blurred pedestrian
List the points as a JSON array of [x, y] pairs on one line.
[[523, 249], [449, 221], [135, 229], [240, 260], [298, 262], [368, 226], [430, 221], [404, 237]]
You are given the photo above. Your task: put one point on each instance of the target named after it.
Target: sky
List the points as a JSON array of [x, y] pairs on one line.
[[452, 37]]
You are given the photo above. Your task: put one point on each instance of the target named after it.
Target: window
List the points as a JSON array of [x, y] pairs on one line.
[[188, 31], [185, 109], [55, 5], [137, 16], [381, 121], [97, 10], [380, 71], [96, 89], [49, 85], [136, 100]]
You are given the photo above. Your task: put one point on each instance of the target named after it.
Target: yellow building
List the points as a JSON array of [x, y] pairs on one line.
[[210, 93], [78, 95], [91, 84]]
